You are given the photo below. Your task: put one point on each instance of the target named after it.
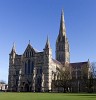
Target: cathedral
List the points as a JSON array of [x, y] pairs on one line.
[[34, 71]]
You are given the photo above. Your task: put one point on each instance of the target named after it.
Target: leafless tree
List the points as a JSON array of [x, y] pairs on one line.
[[93, 69], [2, 82], [89, 74], [64, 78]]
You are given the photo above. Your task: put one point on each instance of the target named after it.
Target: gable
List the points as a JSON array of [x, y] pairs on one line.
[[29, 51]]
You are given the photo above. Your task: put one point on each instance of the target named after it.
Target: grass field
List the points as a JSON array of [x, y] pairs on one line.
[[46, 96]]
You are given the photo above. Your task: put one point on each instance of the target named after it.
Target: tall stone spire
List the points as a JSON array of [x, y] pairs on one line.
[[62, 30], [47, 43], [62, 45]]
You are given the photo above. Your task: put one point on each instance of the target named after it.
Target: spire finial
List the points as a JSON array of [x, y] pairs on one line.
[[62, 24], [29, 41], [88, 60], [47, 38], [47, 43], [62, 12], [14, 47]]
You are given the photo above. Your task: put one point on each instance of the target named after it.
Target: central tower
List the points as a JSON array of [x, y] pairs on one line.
[[62, 45]]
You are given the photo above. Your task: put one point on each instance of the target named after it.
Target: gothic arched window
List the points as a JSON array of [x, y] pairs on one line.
[[26, 54], [25, 68], [32, 66], [40, 70], [30, 54], [28, 66]]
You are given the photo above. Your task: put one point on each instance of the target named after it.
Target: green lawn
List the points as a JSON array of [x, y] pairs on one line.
[[46, 96]]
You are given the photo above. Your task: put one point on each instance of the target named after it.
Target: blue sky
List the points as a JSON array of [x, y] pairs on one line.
[[24, 20]]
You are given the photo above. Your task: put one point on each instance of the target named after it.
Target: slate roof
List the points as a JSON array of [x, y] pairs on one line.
[[78, 64]]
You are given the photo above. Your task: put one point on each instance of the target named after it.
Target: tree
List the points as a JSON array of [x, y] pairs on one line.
[[93, 69], [63, 78], [89, 75], [92, 79], [2, 82]]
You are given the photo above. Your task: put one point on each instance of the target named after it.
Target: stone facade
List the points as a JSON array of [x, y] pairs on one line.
[[33, 70], [3, 87]]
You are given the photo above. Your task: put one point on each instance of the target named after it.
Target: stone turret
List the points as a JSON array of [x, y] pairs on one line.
[[48, 50], [47, 67], [12, 54]]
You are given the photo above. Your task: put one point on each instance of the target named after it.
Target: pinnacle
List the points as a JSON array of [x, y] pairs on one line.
[[47, 43], [62, 30], [14, 47]]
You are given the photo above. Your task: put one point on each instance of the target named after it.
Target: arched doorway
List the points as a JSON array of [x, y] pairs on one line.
[[26, 88], [38, 85]]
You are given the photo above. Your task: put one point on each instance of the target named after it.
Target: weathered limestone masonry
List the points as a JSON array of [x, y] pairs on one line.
[[35, 71]]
